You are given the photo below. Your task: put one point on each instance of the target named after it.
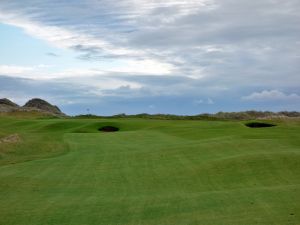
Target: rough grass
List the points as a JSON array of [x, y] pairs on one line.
[[150, 172]]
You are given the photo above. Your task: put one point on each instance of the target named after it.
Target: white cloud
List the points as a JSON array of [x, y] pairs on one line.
[[144, 67], [105, 83], [207, 101], [210, 101], [215, 46], [271, 95], [39, 72], [15, 70], [44, 72], [63, 37], [94, 37], [34, 71]]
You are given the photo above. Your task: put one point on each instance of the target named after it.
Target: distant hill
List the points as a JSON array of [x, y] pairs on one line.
[[5, 101], [34, 105], [246, 115], [42, 105]]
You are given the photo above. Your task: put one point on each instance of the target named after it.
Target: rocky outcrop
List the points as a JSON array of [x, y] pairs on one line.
[[36, 104], [5, 101], [42, 105], [7, 106]]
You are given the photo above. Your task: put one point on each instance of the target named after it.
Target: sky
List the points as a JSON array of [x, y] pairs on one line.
[[151, 56]]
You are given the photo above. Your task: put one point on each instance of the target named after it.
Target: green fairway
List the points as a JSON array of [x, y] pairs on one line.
[[151, 172]]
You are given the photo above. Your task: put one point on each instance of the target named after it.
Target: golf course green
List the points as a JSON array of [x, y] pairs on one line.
[[150, 172]]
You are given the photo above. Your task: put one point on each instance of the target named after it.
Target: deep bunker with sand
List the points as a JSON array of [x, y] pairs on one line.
[[259, 125], [109, 129]]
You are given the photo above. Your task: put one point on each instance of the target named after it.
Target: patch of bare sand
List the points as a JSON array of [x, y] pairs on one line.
[[13, 138]]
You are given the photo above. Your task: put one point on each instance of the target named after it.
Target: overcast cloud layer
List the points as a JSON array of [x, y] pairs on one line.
[[171, 56]]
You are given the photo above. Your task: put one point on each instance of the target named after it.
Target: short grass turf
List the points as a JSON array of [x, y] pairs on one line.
[[66, 172]]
